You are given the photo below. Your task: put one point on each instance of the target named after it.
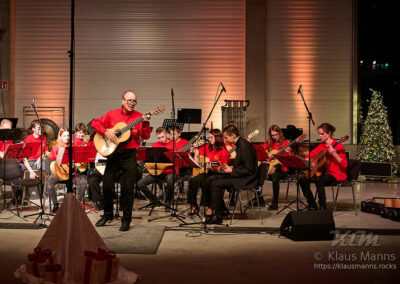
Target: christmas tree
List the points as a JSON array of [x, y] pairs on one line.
[[376, 142]]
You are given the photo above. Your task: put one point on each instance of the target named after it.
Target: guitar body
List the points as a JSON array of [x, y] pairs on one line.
[[81, 167], [151, 167], [59, 171], [274, 163], [106, 147], [199, 171], [232, 151], [319, 165]]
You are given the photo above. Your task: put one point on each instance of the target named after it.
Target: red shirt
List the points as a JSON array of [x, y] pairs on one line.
[[178, 145], [54, 152], [78, 142], [167, 170], [111, 118], [222, 155], [4, 145], [339, 171], [275, 146], [32, 139]]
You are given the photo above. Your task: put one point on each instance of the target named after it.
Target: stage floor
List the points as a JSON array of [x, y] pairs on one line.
[[193, 256]]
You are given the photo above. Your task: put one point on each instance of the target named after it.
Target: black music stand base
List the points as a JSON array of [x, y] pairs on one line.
[[41, 213], [297, 200]]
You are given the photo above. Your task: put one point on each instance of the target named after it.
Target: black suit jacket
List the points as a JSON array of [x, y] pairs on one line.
[[244, 172]]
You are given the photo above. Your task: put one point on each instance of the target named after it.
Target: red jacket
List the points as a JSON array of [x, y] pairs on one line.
[[339, 171], [222, 155], [111, 118], [275, 146], [32, 139]]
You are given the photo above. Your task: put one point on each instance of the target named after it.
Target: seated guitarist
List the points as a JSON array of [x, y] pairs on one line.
[[5, 124], [276, 141], [163, 141], [123, 159], [336, 171], [61, 172], [215, 152]]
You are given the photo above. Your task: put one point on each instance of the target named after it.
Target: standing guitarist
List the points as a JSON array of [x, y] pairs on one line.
[[335, 172], [124, 158], [276, 141]]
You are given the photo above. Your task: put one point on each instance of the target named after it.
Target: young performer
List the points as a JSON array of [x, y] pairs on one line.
[[163, 141], [242, 174], [336, 172], [5, 124], [215, 152], [33, 161], [276, 141], [60, 172], [123, 159], [81, 135]]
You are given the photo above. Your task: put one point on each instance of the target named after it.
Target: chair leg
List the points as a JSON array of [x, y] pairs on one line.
[[259, 207], [354, 200], [251, 202], [234, 207], [337, 193]]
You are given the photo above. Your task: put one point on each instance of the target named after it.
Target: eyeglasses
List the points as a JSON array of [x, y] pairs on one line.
[[275, 134], [131, 101]]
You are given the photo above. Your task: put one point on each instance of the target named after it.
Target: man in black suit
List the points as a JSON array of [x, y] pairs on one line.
[[241, 175]]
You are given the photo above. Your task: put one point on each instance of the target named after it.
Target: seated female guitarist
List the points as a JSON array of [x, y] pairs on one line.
[[215, 152], [336, 171], [61, 172], [275, 143]]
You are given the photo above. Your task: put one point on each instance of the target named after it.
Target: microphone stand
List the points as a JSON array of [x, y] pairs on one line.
[[203, 129], [310, 119], [41, 213]]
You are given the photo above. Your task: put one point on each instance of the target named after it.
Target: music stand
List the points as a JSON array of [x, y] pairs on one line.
[[189, 115], [182, 160], [298, 164], [155, 155], [167, 123]]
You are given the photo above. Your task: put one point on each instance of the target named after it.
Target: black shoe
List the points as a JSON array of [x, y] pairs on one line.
[[311, 207], [193, 211], [273, 206], [103, 220], [214, 219], [55, 208], [125, 226]]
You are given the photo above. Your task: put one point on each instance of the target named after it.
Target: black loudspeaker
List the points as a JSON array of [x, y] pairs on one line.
[[376, 169], [308, 226]]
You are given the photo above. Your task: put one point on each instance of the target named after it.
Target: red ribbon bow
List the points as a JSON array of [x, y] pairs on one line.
[[39, 256]]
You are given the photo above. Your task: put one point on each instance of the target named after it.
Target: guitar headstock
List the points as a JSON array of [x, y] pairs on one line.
[[157, 110], [198, 143], [253, 134], [300, 138], [344, 139]]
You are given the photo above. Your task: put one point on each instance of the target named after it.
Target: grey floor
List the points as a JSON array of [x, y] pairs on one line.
[[193, 256]]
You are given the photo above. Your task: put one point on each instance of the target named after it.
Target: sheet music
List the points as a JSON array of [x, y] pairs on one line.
[[194, 161]]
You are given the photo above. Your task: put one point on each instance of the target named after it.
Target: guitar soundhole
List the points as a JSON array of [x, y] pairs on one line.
[[118, 133]]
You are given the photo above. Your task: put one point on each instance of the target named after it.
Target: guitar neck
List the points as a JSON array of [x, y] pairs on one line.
[[131, 125], [186, 147]]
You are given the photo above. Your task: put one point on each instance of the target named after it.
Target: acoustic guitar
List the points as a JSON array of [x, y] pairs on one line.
[[122, 130], [232, 149], [60, 171], [320, 163], [151, 167], [273, 163], [204, 160]]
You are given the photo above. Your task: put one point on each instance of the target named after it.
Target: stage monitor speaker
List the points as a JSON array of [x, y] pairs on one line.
[[376, 169], [308, 226]]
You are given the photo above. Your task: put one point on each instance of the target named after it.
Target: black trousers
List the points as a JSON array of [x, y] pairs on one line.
[[124, 161], [276, 177], [217, 192], [320, 183], [94, 181], [198, 182]]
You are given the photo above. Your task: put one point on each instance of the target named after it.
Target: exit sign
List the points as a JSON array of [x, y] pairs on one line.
[[4, 85]]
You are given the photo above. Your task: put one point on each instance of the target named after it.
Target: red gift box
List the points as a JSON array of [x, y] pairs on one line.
[[38, 261], [100, 267]]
